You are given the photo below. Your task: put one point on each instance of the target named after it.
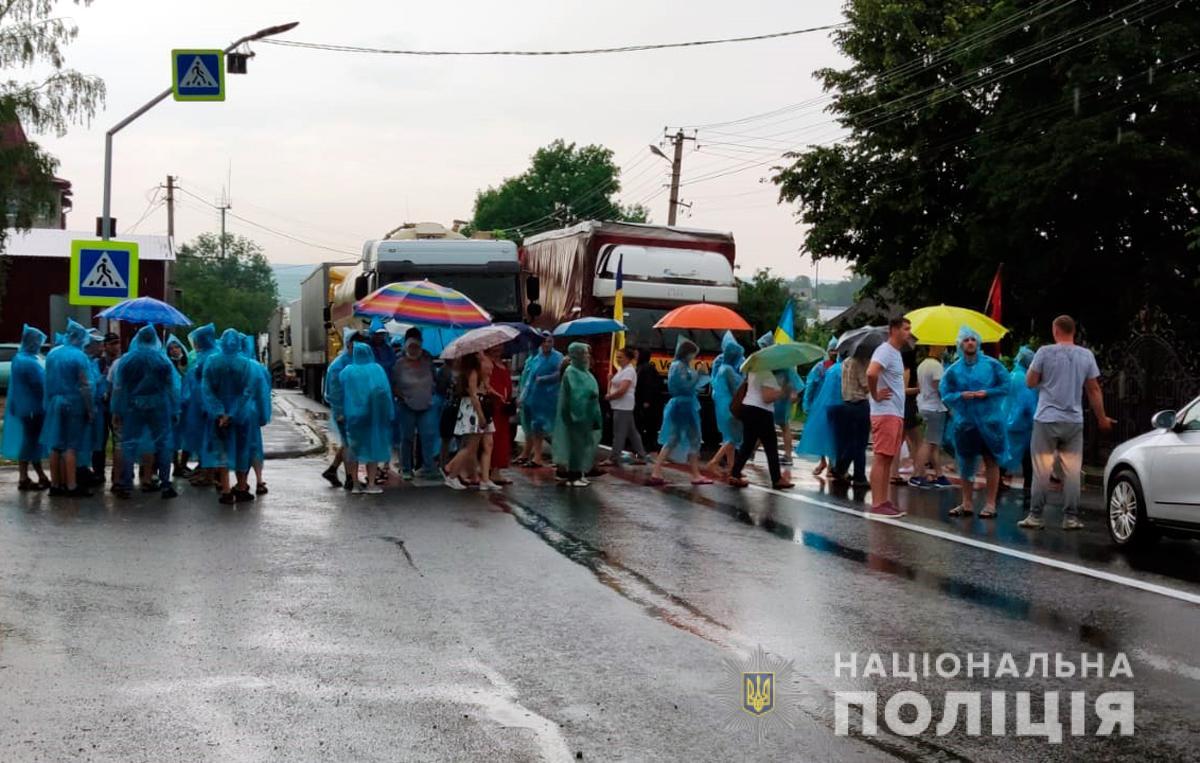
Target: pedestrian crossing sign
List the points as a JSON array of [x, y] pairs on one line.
[[103, 273], [198, 75]]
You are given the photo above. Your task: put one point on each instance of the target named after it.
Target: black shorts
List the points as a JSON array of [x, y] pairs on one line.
[[911, 418]]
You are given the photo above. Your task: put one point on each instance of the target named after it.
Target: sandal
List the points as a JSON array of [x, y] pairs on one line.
[[961, 510], [989, 512], [26, 484], [261, 489]]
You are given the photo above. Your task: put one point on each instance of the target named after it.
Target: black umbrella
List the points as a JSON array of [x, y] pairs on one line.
[[860, 343]]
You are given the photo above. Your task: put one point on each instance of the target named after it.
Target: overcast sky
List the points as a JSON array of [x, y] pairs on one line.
[[336, 148]]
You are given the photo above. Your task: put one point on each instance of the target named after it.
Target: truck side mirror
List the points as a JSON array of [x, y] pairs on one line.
[[362, 287], [533, 289], [534, 310], [326, 314]]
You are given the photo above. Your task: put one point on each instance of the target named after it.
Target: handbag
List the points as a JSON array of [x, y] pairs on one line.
[[738, 404]]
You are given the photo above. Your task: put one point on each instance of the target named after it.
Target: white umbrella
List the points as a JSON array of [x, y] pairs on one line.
[[480, 339]]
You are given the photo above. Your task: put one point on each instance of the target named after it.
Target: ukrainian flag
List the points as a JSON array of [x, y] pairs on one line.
[[618, 342], [787, 323]]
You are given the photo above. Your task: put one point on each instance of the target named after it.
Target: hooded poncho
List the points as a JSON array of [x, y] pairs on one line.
[[976, 422], [368, 407], [725, 381], [680, 433], [68, 396], [24, 407]]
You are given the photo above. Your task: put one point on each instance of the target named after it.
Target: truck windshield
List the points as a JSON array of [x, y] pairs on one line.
[[641, 332], [496, 293]]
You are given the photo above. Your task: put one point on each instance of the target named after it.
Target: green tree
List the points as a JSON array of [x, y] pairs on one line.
[[32, 38], [564, 184], [761, 300], [1064, 143], [235, 291]]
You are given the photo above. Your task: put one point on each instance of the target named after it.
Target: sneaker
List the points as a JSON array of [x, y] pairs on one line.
[[1071, 523], [783, 485], [454, 483], [169, 492], [358, 488], [243, 496], [739, 482], [407, 475], [374, 490], [489, 486], [941, 481], [785, 461], [581, 482], [920, 482], [430, 474], [331, 476], [887, 509], [348, 484], [1031, 522]]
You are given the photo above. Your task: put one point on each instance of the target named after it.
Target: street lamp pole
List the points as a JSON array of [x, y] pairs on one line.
[[106, 220]]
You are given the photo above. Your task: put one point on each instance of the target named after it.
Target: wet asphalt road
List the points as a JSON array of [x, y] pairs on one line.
[[546, 622]]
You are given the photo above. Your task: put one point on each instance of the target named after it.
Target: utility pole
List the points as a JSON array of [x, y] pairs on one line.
[[224, 206], [171, 206], [676, 170]]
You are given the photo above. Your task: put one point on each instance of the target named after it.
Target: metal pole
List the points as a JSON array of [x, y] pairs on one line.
[[108, 136], [676, 167]]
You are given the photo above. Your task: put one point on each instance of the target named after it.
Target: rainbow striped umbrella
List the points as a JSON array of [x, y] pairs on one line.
[[422, 303]]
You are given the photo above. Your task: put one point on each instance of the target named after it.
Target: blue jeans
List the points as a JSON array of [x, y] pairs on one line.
[[422, 424]]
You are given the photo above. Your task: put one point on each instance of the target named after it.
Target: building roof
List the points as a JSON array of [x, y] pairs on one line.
[[51, 242]]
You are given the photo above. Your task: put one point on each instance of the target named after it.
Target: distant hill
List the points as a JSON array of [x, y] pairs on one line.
[[288, 279]]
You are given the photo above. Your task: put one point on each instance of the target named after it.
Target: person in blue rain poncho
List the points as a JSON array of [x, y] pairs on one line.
[[24, 410], [526, 381], [145, 396], [262, 412], [726, 378], [195, 424], [974, 389], [680, 435], [381, 345], [227, 389], [368, 410], [92, 451], [335, 399], [178, 356], [540, 398], [70, 410], [819, 438], [1019, 407], [792, 387]]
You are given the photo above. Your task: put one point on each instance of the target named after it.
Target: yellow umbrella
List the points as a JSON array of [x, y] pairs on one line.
[[939, 325]]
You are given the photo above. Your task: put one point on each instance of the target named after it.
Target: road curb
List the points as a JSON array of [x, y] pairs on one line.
[[316, 438]]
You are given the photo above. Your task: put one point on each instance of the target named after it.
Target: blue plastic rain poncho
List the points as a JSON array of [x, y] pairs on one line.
[[261, 399], [789, 382], [541, 393], [68, 395], [145, 396], [335, 398], [368, 408], [99, 385], [725, 381], [680, 433], [1019, 407], [523, 386], [816, 376], [818, 438], [24, 408], [977, 425], [184, 392], [227, 390], [195, 424], [578, 422]]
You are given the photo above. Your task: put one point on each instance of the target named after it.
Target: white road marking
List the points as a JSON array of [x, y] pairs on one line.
[[1078, 569]]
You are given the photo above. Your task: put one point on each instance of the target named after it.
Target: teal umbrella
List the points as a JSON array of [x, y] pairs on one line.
[[780, 356]]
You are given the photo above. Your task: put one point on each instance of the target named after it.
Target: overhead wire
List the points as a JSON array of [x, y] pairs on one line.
[[267, 228]]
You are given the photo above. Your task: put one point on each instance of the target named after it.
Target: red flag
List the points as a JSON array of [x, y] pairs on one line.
[[995, 299]]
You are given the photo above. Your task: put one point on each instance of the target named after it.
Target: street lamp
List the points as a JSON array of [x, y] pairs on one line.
[[106, 220], [658, 152]]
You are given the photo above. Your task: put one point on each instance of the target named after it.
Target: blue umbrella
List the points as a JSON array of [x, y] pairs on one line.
[[588, 327], [526, 341], [145, 310]]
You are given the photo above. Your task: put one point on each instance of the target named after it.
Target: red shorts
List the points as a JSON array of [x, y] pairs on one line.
[[887, 432]]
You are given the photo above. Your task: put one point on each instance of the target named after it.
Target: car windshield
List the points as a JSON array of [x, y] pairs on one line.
[[639, 322]]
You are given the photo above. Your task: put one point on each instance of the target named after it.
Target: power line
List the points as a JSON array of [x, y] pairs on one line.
[[576, 52], [267, 228]]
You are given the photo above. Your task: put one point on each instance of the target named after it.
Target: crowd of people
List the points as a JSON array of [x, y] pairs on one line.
[[156, 406], [161, 405]]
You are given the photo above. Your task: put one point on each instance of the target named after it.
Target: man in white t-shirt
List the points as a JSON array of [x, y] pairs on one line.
[[758, 424], [885, 379], [927, 464], [621, 398]]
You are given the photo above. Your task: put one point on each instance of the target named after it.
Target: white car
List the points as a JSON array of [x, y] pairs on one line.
[[1153, 481]]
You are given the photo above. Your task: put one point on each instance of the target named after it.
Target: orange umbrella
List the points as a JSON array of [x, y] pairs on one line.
[[703, 316]]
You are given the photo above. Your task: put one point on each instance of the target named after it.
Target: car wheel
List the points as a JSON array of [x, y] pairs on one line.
[[1127, 522]]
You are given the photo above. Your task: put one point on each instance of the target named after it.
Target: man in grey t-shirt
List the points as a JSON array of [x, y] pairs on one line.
[[1061, 372]]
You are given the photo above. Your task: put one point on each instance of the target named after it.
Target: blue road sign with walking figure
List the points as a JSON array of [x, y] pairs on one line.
[[103, 272], [198, 75]]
